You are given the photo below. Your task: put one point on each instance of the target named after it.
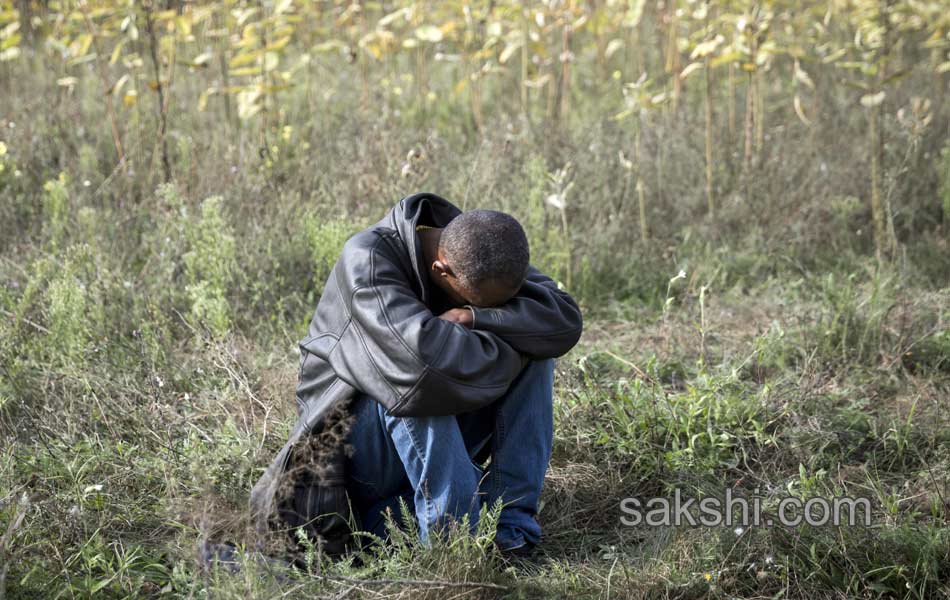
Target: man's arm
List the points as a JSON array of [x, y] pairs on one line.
[[541, 321], [407, 358]]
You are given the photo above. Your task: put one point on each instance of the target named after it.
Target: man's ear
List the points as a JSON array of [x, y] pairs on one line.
[[441, 269]]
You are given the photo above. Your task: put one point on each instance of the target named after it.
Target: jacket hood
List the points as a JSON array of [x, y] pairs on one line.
[[423, 208]]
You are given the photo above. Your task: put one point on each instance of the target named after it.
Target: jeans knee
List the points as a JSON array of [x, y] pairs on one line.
[[543, 368]]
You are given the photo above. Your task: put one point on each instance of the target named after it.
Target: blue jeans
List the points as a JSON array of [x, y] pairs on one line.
[[428, 462]]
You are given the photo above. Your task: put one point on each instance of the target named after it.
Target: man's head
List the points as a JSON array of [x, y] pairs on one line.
[[482, 258]]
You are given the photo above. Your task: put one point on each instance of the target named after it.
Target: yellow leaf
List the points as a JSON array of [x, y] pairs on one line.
[[508, 51], [248, 106], [803, 77], [634, 13], [202, 59], [539, 82], [428, 33], [9, 30], [797, 103], [81, 45], [690, 69], [117, 87], [243, 71], [402, 12], [245, 58], [613, 46], [872, 100], [706, 48], [448, 28], [329, 45], [130, 97], [279, 45], [620, 116], [724, 58], [834, 56], [183, 26], [72, 62], [203, 99], [373, 49], [116, 52], [282, 32], [10, 42]]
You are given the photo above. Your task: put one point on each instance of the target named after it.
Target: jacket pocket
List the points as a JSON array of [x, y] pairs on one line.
[[320, 345]]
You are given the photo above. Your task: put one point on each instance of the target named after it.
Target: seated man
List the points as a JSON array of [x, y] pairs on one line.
[[430, 350]]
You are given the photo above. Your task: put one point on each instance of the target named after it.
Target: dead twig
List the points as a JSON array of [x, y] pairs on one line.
[[36, 326], [23, 506], [431, 583]]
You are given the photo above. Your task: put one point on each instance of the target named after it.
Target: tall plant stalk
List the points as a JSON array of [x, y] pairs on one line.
[[641, 188], [748, 156], [564, 90], [525, 58], [708, 109], [160, 89], [106, 86], [877, 207]]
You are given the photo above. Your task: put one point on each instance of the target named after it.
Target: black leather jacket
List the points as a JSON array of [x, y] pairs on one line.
[[375, 332]]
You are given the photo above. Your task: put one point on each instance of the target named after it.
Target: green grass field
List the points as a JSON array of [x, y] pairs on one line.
[[148, 334]]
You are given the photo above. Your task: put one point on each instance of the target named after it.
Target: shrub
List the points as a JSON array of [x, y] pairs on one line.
[[208, 266]]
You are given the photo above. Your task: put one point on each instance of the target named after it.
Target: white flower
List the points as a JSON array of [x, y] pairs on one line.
[[738, 531]]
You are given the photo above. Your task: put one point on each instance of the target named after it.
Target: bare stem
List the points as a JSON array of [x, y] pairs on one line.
[[160, 89]]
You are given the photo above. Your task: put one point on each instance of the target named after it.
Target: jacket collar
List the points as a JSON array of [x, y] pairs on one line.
[[419, 209]]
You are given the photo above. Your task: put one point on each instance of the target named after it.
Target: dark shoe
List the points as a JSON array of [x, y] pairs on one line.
[[218, 555], [225, 556], [523, 552]]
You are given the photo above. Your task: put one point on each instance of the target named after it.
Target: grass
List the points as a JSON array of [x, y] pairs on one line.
[[148, 349]]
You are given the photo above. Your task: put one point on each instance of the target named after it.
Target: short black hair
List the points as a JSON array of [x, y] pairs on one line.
[[486, 245]]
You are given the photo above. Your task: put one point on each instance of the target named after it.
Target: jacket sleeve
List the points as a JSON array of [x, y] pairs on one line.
[[540, 322], [397, 351]]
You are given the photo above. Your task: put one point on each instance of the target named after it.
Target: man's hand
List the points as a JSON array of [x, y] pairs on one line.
[[462, 316]]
